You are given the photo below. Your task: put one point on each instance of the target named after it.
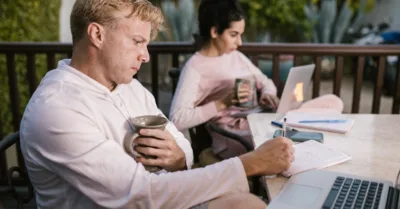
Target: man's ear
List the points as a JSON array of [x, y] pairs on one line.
[[213, 32], [95, 34]]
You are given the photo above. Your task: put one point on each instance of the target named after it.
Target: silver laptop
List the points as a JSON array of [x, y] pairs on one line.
[[327, 190], [297, 82]]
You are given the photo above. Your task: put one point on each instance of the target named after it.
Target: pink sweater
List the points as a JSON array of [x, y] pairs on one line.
[[206, 79]]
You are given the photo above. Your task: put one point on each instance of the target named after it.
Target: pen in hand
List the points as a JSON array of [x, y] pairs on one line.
[[284, 127]]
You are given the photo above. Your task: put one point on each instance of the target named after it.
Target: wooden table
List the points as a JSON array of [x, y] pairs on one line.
[[373, 143]]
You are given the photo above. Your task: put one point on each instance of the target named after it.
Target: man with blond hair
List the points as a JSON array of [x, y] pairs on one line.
[[73, 129]]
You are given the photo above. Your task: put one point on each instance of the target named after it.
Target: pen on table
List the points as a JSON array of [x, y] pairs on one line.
[[284, 127], [322, 121], [274, 123]]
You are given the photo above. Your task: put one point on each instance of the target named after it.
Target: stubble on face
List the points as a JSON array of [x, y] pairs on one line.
[[126, 48]]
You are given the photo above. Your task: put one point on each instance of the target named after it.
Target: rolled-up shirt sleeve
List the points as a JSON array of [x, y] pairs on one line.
[[73, 147]]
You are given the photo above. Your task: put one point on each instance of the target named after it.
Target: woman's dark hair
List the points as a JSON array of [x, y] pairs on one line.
[[218, 13]]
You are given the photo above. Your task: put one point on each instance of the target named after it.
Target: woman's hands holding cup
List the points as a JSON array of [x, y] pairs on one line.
[[235, 97], [162, 145], [243, 93]]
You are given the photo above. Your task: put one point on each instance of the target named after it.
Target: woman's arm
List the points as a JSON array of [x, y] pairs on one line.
[[184, 111]]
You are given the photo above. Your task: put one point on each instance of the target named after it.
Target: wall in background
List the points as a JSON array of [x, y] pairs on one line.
[[65, 11]]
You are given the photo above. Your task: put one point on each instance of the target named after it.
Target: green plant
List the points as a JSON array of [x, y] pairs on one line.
[[33, 20], [284, 20], [319, 21]]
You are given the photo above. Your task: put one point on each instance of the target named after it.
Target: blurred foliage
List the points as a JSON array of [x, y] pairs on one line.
[[354, 4], [285, 20], [332, 18], [281, 18], [32, 20]]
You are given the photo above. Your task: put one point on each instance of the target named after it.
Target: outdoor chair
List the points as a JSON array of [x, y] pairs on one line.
[[19, 186]]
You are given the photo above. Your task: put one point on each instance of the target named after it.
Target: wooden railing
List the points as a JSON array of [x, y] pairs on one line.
[[317, 51]]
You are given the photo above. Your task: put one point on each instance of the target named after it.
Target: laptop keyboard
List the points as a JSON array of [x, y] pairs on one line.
[[353, 193]]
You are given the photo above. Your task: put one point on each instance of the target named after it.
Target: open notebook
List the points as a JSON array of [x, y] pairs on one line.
[[293, 118], [314, 155]]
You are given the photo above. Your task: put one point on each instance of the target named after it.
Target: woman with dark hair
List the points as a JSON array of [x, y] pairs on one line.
[[205, 85]]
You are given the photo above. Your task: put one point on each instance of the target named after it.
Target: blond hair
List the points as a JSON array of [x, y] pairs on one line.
[[85, 12]]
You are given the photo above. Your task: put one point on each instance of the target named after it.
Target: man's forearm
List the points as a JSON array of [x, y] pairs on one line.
[[198, 185]]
